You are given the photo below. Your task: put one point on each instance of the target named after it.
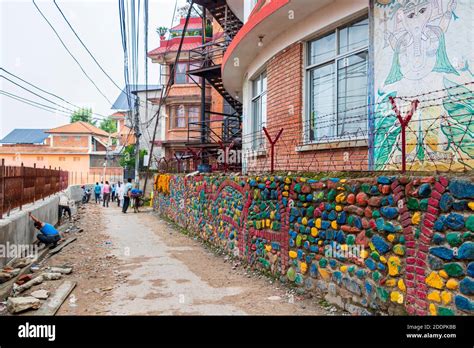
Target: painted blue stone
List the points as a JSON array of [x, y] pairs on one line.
[[455, 221], [313, 270], [341, 237], [357, 222], [470, 269], [374, 191], [342, 218], [293, 234], [440, 224], [306, 246], [466, 251], [292, 243], [329, 234], [322, 234], [466, 286], [253, 183], [424, 190], [389, 212], [332, 263], [461, 188], [311, 222], [300, 254], [275, 246], [446, 202], [463, 303], [309, 198], [438, 238], [360, 273], [313, 248], [442, 252], [390, 228], [284, 201], [325, 225], [337, 276], [381, 266], [312, 181], [324, 215], [368, 287], [370, 264], [308, 258], [295, 212], [332, 215], [334, 179], [460, 205], [380, 244], [380, 223], [384, 180]]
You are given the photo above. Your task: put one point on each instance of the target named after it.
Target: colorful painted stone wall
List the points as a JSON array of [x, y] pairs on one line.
[[396, 245], [423, 50]]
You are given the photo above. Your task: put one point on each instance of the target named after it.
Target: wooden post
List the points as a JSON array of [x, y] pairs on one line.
[[2, 173], [34, 186], [22, 194]]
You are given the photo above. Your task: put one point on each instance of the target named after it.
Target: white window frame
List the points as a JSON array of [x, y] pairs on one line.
[[335, 59], [258, 140]]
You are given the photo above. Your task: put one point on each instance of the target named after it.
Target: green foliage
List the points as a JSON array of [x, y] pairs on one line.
[[459, 128], [83, 114], [386, 132], [161, 31], [128, 157], [109, 125]]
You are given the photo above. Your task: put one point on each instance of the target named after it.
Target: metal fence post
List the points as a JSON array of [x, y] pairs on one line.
[[272, 144], [404, 121], [22, 194], [2, 173]]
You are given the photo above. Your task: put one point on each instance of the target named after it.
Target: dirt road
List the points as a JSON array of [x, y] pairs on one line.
[[134, 264]]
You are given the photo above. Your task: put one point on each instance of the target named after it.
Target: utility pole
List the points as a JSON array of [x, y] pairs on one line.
[[137, 140], [204, 159]]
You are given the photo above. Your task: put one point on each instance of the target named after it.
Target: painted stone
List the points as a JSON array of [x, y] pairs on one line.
[[461, 188], [446, 297], [438, 238], [291, 274], [424, 190], [470, 269], [394, 264], [454, 269], [453, 238], [434, 281], [455, 221], [466, 286], [396, 296], [401, 285], [434, 296], [384, 180], [389, 212], [399, 249], [440, 224], [443, 311], [470, 223], [460, 205], [446, 202], [413, 204], [466, 251], [424, 204], [452, 284], [380, 244], [370, 264], [442, 252], [463, 303]]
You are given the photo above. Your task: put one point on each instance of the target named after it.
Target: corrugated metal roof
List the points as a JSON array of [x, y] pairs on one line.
[[121, 103], [25, 136]]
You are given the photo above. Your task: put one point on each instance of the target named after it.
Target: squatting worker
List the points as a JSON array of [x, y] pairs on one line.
[[49, 235]]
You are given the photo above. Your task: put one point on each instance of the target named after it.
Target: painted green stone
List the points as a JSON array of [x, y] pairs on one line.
[[413, 204], [375, 255], [376, 214], [470, 223], [382, 293], [332, 195], [351, 269], [291, 274], [298, 241], [376, 276], [350, 239], [454, 238], [454, 269], [323, 263], [298, 188], [424, 204], [369, 233], [445, 311], [365, 187]]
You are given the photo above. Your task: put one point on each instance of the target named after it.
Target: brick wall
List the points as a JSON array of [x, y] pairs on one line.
[[285, 110], [71, 141]]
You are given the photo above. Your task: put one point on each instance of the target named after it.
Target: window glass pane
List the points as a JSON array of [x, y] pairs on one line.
[[257, 123], [194, 113], [180, 117], [264, 82], [354, 36], [180, 77], [352, 93], [323, 49], [264, 109], [322, 102]]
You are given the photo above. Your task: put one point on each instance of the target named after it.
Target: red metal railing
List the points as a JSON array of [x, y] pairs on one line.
[[21, 185]]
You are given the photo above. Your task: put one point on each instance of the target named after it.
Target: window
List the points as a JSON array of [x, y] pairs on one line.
[[62, 159], [180, 76], [259, 110], [194, 114], [78, 138], [39, 158], [64, 138], [179, 117], [76, 159], [337, 83]]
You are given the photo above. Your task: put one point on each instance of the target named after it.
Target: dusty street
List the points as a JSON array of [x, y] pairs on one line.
[[138, 264]]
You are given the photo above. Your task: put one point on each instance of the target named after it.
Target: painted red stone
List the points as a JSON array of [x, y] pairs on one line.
[[424, 247], [421, 255], [410, 284], [410, 276], [420, 271], [428, 223], [439, 188], [410, 268], [411, 260], [433, 210], [362, 198], [395, 184], [410, 252], [443, 181], [427, 231], [420, 263], [410, 244], [436, 195], [350, 198], [433, 202], [424, 239]]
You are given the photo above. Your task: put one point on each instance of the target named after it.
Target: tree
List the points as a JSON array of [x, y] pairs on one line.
[[109, 125], [84, 115], [128, 157], [162, 32]]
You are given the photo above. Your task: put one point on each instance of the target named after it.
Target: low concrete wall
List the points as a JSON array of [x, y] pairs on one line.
[[18, 230]]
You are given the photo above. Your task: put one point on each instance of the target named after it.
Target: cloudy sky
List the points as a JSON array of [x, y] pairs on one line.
[[30, 50]]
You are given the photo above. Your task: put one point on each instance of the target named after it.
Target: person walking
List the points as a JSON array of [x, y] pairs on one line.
[[114, 192], [120, 194], [126, 195], [97, 192], [106, 194]]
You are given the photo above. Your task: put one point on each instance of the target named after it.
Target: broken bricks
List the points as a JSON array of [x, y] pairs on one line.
[[40, 294], [20, 304]]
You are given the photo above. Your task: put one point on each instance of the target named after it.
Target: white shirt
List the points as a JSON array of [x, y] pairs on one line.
[[63, 199], [120, 191]]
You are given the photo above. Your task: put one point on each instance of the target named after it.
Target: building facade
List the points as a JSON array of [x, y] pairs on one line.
[[324, 73]]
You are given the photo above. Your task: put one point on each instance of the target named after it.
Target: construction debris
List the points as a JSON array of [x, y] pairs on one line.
[[62, 270], [62, 245], [40, 294], [20, 304], [35, 281], [52, 304]]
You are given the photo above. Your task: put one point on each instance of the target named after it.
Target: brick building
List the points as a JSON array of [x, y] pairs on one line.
[[324, 72]]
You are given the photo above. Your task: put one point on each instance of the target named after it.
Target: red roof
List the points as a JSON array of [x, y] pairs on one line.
[[174, 48], [79, 127], [193, 24]]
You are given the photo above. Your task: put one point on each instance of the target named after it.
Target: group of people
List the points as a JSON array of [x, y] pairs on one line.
[[124, 193]]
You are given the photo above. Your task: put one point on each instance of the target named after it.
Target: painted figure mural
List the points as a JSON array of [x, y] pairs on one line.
[[423, 50]]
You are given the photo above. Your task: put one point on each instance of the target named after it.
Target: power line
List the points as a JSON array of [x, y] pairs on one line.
[[32, 103], [68, 51]]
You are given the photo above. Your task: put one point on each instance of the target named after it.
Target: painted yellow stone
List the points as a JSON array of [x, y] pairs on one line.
[[452, 284], [342, 181], [344, 247], [383, 259], [320, 242], [371, 246], [287, 188], [340, 198], [471, 205], [268, 223], [434, 296], [393, 265], [446, 297], [287, 180], [318, 223], [364, 254], [324, 274], [343, 269], [303, 267], [443, 274], [268, 248], [302, 179], [397, 297], [292, 254], [304, 221], [401, 285], [391, 282], [434, 281], [272, 215], [391, 237], [334, 225], [285, 193], [314, 231], [338, 208], [433, 309], [416, 218]]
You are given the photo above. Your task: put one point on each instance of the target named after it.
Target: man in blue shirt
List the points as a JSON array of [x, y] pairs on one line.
[[48, 235], [97, 192], [126, 195]]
